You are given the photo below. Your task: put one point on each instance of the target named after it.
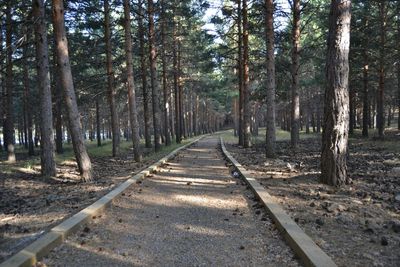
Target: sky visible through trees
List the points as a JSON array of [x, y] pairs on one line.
[[308, 89]]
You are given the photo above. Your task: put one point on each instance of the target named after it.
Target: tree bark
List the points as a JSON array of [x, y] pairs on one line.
[[27, 105], [58, 105], [48, 165], [352, 113], [155, 87], [295, 115], [98, 123], [146, 109], [9, 114], [398, 67], [246, 80], [167, 132], [110, 83], [131, 90], [365, 74], [178, 130], [180, 92], [240, 73], [270, 119], [82, 158], [3, 98], [336, 113], [381, 86]]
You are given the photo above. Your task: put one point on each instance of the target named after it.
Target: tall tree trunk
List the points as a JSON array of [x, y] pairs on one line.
[[398, 67], [171, 113], [196, 115], [9, 118], [365, 78], [240, 72], [133, 117], [180, 92], [381, 87], [82, 158], [178, 131], [48, 163], [155, 87], [270, 134], [27, 105], [25, 97], [167, 132], [146, 109], [58, 106], [3, 98], [307, 116], [98, 123], [352, 113], [295, 115], [246, 80], [336, 113], [110, 82]]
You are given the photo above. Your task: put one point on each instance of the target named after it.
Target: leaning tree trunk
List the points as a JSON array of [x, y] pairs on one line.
[[48, 163], [336, 113], [155, 88], [146, 109], [167, 132], [295, 115], [133, 117], [270, 134], [246, 80], [381, 86], [110, 82], [82, 157], [9, 118]]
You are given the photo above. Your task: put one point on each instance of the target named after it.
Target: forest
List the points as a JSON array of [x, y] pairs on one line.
[[301, 96]]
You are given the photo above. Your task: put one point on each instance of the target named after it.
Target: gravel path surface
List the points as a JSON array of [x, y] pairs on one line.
[[192, 213]]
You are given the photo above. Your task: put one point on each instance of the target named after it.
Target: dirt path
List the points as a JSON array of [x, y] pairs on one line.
[[192, 213]]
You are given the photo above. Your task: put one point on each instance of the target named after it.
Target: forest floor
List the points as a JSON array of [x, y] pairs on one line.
[[190, 213], [30, 204], [357, 224]]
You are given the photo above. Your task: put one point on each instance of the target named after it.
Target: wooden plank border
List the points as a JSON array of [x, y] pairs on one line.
[[304, 247], [31, 254]]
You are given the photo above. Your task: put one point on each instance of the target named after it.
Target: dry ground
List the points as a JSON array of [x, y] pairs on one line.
[[30, 204], [358, 224]]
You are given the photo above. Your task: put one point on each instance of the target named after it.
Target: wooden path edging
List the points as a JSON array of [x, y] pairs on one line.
[[304, 247], [41, 247]]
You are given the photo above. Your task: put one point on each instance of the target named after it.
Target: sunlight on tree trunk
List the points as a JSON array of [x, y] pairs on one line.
[[246, 79], [336, 113], [82, 158], [130, 81], [295, 117], [48, 165], [270, 134], [155, 87], [110, 83]]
